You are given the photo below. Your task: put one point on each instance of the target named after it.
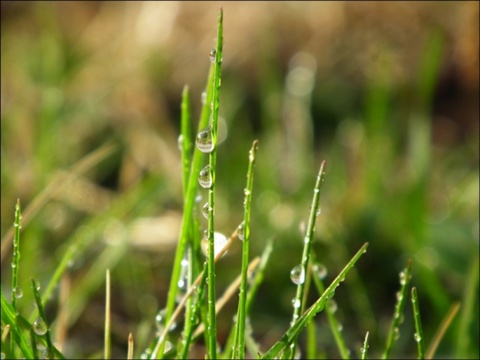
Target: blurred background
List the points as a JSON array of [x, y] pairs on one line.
[[386, 92]]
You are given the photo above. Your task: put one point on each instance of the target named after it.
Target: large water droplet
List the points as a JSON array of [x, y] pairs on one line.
[[204, 140], [417, 337], [39, 327], [332, 305], [320, 270], [205, 177], [297, 275], [213, 55], [219, 242], [241, 231]]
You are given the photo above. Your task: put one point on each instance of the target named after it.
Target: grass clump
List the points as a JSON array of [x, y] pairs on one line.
[[188, 324]]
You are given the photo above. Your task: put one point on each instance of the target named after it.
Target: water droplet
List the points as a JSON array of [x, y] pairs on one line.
[[246, 192], [399, 296], [297, 275], [203, 97], [417, 337], [403, 278], [296, 303], [396, 333], [213, 55], [319, 211], [241, 231], [332, 305], [14, 265], [205, 177], [302, 227], [17, 292], [320, 270], [39, 327], [339, 327], [219, 242], [306, 240], [206, 210], [204, 140]]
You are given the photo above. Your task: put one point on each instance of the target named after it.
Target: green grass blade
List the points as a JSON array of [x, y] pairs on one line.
[[107, 342], [130, 346], [40, 326], [16, 291], [405, 277], [9, 318], [216, 55], [364, 349], [185, 138], [292, 333], [299, 304], [418, 325], [244, 234], [312, 341]]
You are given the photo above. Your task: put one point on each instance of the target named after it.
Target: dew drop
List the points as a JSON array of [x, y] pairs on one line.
[[204, 140], [319, 211], [241, 231], [213, 55], [180, 141], [417, 337], [205, 177], [17, 292], [296, 303], [39, 327], [219, 242], [14, 265], [297, 275], [340, 327], [206, 210], [332, 305], [403, 278], [399, 296], [320, 270], [203, 97], [396, 332]]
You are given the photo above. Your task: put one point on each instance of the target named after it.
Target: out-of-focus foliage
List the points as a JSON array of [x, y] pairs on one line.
[[386, 92]]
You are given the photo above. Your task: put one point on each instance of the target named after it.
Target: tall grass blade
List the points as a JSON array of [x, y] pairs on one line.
[[41, 326], [299, 303], [394, 332], [16, 291], [418, 325], [364, 349], [244, 230], [130, 346], [292, 333]]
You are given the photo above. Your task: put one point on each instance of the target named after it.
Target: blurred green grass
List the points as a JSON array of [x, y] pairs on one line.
[[392, 108]]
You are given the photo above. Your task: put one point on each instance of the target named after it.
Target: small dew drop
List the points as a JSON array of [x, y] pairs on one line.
[[18, 293], [296, 303], [180, 141], [213, 55], [332, 305], [297, 275], [241, 231], [319, 211], [417, 337], [396, 332], [403, 278], [205, 177], [320, 270], [204, 140], [246, 192], [206, 210], [203, 97], [399, 296], [340, 327], [306, 240], [39, 327], [14, 265]]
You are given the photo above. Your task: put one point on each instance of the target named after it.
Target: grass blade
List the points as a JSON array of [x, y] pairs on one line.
[[292, 333], [40, 326], [364, 349], [393, 333], [130, 346], [442, 329], [16, 291], [185, 138], [418, 325], [244, 234], [299, 304], [9, 318]]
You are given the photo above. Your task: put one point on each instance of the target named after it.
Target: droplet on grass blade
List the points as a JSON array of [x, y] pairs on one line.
[[39, 327], [206, 210], [297, 275], [296, 303], [204, 140], [17, 293], [205, 177], [213, 55], [241, 231], [320, 270], [417, 337], [219, 242], [332, 305]]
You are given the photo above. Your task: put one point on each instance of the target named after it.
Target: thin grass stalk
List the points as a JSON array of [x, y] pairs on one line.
[[442, 329], [185, 138], [418, 325], [212, 159], [332, 319], [364, 349], [107, 340], [393, 333], [312, 341], [244, 230], [16, 291], [5, 332], [298, 301], [33, 342], [130, 347], [292, 333], [43, 317]]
